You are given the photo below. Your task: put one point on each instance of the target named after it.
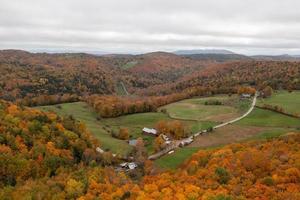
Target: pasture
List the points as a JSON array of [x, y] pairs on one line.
[[196, 109], [83, 113], [103, 128], [266, 118], [289, 101]]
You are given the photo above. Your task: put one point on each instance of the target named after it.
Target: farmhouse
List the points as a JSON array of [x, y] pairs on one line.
[[166, 139], [186, 141], [245, 96], [99, 150], [128, 165], [150, 131]]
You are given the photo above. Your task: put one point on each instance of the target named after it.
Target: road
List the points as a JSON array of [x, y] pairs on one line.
[[175, 144], [124, 88], [241, 117]]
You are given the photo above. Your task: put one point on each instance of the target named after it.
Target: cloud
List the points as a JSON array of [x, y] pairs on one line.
[[248, 26]]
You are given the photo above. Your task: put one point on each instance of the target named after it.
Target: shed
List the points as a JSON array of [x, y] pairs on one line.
[[150, 131], [245, 96]]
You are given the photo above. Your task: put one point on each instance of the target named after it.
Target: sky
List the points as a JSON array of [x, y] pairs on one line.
[[135, 26]]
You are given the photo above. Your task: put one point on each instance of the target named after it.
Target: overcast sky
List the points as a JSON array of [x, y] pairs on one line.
[[243, 26]]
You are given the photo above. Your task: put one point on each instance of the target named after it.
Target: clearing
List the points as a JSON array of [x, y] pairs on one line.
[[195, 109], [289, 101]]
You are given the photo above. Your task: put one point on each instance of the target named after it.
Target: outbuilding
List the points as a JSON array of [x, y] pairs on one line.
[[150, 131]]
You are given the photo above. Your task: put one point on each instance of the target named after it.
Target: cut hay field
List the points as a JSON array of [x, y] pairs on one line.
[[289, 101], [195, 109], [267, 118]]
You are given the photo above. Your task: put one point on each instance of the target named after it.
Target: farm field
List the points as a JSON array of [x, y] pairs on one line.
[[266, 118], [289, 101], [195, 108], [194, 114], [174, 160], [135, 123], [259, 125], [82, 112]]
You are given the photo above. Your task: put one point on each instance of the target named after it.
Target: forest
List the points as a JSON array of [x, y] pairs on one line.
[[43, 79]]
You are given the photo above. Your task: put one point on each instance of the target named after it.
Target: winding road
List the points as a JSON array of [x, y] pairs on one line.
[[241, 117], [124, 88], [175, 144]]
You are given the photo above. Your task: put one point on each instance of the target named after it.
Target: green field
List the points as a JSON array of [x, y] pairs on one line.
[[82, 112], [174, 160], [103, 128], [195, 109], [266, 118], [130, 65], [289, 101]]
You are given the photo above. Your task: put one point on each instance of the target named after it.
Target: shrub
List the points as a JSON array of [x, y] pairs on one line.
[[223, 175]]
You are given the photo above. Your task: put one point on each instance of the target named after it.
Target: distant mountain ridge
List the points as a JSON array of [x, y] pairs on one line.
[[203, 51], [284, 57]]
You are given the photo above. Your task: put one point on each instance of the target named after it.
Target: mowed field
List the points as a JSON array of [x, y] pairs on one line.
[[82, 112], [195, 109], [289, 101]]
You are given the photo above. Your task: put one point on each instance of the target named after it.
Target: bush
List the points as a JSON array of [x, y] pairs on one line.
[[223, 175], [268, 181], [213, 102]]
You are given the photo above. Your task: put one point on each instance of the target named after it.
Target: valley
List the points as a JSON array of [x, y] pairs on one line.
[[133, 120]]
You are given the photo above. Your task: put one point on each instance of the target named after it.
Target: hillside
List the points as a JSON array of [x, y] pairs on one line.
[[224, 77], [44, 156], [254, 170], [28, 75]]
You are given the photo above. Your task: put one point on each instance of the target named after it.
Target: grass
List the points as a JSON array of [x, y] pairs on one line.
[[172, 161], [289, 101], [269, 134], [82, 112], [130, 65], [195, 109], [136, 122], [266, 118], [102, 129]]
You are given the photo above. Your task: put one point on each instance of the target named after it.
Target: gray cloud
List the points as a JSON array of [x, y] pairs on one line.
[[248, 26]]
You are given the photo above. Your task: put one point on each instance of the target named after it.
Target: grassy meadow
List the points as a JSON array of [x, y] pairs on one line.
[[195, 108], [289, 101]]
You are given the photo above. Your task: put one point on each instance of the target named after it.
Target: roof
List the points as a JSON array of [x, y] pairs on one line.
[[166, 138], [246, 95], [150, 130], [132, 165], [98, 149]]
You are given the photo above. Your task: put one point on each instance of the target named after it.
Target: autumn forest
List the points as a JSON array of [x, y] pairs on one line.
[[83, 126]]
